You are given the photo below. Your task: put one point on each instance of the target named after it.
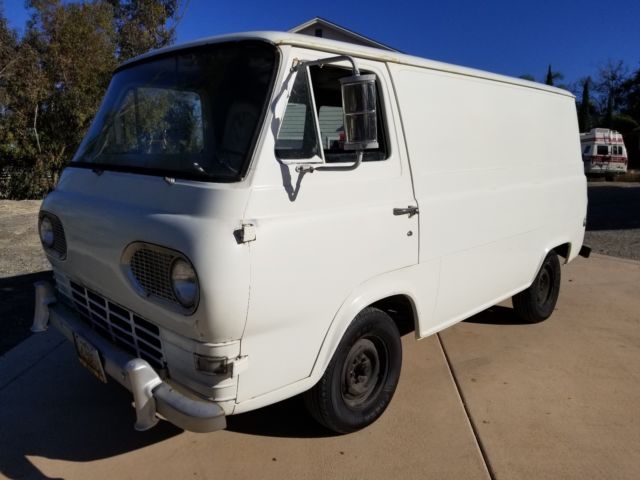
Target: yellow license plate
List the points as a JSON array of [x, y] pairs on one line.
[[90, 357]]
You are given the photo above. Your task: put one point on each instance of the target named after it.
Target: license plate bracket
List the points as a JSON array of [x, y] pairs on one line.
[[89, 357]]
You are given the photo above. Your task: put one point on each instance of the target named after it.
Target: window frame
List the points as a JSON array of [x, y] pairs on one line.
[[317, 159], [320, 158], [316, 120], [253, 146]]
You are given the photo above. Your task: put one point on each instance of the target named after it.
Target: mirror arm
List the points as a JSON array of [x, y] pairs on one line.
[[297, 64], [310, 168]]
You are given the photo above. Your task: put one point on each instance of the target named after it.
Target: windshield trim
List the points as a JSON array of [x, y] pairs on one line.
[[158, 172]]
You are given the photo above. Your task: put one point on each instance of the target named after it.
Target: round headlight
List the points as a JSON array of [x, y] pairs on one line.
[[46, 232], [184, 282]]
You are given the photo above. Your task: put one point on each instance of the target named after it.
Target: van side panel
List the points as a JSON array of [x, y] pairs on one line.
[[498, 178]]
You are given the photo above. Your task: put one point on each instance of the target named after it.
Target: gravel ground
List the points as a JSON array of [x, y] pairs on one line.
[[20, 248], [613, 228], [613, 219]]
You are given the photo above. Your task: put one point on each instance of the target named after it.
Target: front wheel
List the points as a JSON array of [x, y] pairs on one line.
[[362, 376], [537, 302]]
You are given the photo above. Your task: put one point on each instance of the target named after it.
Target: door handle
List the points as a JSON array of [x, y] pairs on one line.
[[410, 210]]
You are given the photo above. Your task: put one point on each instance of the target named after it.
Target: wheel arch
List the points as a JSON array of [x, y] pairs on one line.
[[564, 250], [401, 309], [390, 293], [393, 292], [561, 246]]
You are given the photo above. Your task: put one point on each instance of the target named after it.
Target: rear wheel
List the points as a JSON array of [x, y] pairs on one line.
[[537, 302], [362, 376]]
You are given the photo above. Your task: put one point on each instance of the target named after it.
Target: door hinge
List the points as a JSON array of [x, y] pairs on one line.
[[246, 233]]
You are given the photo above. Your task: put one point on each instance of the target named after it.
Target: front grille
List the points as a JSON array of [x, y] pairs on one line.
[[59, 240], [152, 271], [117, 324]]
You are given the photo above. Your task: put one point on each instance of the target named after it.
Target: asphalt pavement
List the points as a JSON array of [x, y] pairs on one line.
[[613, 219]]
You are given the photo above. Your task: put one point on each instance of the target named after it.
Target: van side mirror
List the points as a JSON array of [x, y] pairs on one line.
[[359, 110], [359, 107]]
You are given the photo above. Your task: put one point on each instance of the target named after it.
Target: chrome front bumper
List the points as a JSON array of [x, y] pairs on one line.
[[152, 396]]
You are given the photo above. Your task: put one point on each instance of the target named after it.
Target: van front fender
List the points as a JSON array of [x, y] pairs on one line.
[[398, 282], [404, 281]]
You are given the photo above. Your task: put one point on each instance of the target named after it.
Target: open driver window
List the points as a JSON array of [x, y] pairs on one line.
[[297, 138]]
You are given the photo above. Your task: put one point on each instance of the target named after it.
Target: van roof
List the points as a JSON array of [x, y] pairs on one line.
[[334, 46]]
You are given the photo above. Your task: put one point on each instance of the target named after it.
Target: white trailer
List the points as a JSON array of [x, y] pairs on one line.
[[216, 251], [603, 153]]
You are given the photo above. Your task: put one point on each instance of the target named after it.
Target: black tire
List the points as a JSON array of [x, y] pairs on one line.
[[362, 376], [537, 302]]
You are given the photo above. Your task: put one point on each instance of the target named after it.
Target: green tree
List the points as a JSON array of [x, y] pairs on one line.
[[549, 80], [631, 96], [584, 113], [53, 78], [612, 77], [23, 88], [553, 77], [143, 25], [624, 124], [8, 44], [65, 36]]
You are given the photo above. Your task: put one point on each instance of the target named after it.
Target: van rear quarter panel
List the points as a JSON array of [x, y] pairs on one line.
[[498, 178]]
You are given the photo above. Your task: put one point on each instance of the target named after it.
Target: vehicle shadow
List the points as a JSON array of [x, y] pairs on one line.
[[497, 315], [58, 410], [16, 307], [613, 208], [288, 418]]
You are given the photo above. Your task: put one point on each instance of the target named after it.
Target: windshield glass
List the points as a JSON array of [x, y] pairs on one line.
[[190, 114]]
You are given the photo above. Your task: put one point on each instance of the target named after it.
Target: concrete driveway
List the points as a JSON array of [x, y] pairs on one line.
[[488, 398]]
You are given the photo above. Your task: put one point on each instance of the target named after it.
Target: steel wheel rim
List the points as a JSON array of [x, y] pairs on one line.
[[545, 283], [364, 371]]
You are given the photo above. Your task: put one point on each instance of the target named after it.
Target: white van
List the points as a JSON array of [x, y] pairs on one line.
[[603, 153], [220, 242]]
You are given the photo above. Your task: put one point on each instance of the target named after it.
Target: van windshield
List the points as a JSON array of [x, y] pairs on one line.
[[189, 114]]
